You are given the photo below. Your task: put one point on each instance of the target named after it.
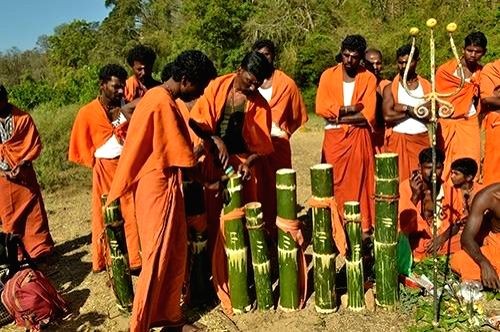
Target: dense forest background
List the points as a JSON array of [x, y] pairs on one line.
[[60, 74], [62, 69]]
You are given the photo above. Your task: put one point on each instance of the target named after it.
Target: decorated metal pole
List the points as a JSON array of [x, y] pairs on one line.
[[121, 279], [354, 261], [260, 259], [324, 250], [288, 249], [445, 110], [386, 220], [236, 249]]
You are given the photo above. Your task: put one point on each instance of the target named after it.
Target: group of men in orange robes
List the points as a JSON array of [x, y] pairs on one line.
[[193, 126], [230, 124], [347, 99]]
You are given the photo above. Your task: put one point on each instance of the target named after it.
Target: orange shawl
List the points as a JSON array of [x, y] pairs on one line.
[[133, 89], [208, 111], [287, 105], [447, 82], [91, 130], [25, 143], [381, 86], [329, 97], [159, 139]]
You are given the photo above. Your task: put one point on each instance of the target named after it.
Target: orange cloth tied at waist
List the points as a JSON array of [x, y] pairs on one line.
[[292, 227], [219, 261], [338, 233], [197, 222]]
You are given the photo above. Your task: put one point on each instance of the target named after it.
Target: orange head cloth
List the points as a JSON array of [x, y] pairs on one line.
[[338, 233], [219, 263], [292, 227]]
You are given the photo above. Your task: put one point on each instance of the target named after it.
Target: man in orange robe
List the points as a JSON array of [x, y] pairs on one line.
[[289, 113], [198, 284], [150, 166], [453, 201], [22, 210], [347, 98], [96, 142], [406, 134], [373, 62], [489, 87], [237, 119], [460, 132], [476, 261], [141, 59], [233, 115]]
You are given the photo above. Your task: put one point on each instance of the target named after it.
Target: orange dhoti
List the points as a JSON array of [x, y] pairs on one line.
[[467, 268], [163, 228], [460, 132], [489, 87], [102, 177], [491, 173], [351, 154], [280, 158], [408, 147], [460, 139], [22, 212]]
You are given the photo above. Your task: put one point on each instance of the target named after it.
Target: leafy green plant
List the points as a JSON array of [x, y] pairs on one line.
[[454, 313]]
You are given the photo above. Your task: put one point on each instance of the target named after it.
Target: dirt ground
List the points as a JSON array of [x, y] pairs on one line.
[[92, 301]]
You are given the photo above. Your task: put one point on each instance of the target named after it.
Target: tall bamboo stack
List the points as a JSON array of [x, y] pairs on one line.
[[386, 216], [324, 250], [236, 249], [354, 260], [288, 249], [119, 264]]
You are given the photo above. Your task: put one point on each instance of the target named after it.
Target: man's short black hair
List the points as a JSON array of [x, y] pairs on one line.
[[111, 70], [267, 43], [355, 43], [476, 38], [143, 54], [258, 65], [166, 72], [3, 93], [406, 49], [425, 156], [467, 166], [194, 66]]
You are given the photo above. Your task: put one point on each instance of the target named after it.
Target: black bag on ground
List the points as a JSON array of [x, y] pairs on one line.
[[9, 265]]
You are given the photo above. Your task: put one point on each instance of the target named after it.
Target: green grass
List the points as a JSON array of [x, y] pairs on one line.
[[315, 123], [53, 169]]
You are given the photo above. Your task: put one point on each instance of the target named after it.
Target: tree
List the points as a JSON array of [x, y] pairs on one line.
[[72, 43]]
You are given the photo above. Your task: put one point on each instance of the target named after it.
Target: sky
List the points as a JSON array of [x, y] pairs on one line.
[[23, 21]]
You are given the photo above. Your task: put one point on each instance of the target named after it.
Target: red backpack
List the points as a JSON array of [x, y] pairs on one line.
[[32, 300]]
